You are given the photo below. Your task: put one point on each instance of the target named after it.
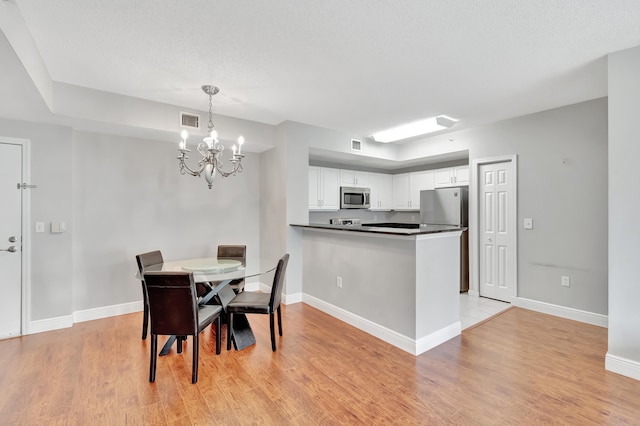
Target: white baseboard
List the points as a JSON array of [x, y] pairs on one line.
[[289, 299], [396, 339], [623, 366], [561, 311], [49, 324], [107, 311], [473, 293], [67, 321], [437, 338]]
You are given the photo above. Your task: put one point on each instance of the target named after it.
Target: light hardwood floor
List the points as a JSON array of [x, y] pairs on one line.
[[520, 367]]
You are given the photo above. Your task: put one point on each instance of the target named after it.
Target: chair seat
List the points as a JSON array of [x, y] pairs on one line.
[[207, 314], [250, 302]]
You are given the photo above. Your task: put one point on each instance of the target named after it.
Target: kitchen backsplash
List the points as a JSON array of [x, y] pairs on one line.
[[365, 216]]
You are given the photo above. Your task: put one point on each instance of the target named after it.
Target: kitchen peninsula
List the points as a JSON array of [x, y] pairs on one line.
[[400, 285]]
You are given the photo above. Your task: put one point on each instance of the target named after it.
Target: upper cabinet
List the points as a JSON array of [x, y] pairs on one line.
[[324, 188], [452, 176], [381, 191], [407, 187], [354, 178]]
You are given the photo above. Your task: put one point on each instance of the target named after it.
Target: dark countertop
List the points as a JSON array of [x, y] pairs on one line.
[[423, 229]]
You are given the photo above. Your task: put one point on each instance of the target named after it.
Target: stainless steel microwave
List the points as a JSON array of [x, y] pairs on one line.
[[354, 198]]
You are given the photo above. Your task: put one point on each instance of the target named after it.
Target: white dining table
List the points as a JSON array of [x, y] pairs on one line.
[[215, 274]]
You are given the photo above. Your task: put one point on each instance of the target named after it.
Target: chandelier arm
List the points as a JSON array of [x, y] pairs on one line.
[[185, 169]]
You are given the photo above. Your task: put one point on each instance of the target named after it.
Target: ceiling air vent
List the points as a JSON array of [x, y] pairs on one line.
[[356, 145], [191, 121]]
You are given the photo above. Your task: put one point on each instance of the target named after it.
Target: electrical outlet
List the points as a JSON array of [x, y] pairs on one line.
[[339, 282], [566, 281]]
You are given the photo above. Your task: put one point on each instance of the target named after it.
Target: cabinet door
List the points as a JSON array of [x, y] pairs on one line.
[[354, 178], [420, 181], [381, 191], [347, 178], [362, 179], [385, 191], [401, 192], [443, 177], [461, 175], [330, 189], [314, 188]]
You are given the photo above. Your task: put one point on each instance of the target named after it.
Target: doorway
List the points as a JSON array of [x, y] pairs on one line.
[[14, 237], [494, 258]]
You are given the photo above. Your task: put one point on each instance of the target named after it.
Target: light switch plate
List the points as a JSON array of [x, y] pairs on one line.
[[528, 223], [39, 226]]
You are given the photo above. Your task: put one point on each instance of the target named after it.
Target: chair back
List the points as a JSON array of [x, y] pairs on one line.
[[233, 252], [172, 302], [278, 282], [148, 259]]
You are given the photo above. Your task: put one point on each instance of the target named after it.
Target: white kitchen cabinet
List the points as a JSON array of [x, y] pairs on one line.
[[452, 176], [354, 178], [381, 191], [407, 187], [324, 188]]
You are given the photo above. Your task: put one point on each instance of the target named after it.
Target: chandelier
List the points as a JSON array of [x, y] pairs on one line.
[[210, 149]]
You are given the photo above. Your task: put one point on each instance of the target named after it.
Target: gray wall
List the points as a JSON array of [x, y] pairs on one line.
[[562, 185], [129, 197], [121, 196], [51, 258]]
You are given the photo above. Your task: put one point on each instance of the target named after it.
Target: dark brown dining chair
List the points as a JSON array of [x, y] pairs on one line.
[[174, 310], [250, 302], [234, 252], [144, 260]]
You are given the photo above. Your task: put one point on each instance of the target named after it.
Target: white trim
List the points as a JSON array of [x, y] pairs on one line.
[[107, 311], [473, 293], [290, 299], [562, 311], [50, 324], [25, 311], [474, 214], [438, 337], [394, 338], [623, 366]]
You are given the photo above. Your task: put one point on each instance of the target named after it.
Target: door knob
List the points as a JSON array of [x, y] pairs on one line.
[[12, 249], [12, 239]]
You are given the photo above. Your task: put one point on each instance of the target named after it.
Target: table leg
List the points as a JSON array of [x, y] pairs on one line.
[[167, 346], [242, 334]]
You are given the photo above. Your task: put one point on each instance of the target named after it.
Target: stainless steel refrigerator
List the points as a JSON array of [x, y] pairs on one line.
[[449, 206]]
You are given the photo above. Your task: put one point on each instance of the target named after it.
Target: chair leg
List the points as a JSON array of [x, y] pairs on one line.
[[229, 330], [154, 354], [279, 321], [218, 338], [273, 332], [196, 349], [180, 339]]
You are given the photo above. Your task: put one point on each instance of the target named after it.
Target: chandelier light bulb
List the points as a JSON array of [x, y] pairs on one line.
[[240, 142], [183, 143]]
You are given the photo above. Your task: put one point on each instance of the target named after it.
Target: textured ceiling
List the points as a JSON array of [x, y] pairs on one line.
[[357, 65]]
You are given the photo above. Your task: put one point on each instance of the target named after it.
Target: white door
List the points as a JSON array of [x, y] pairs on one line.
[[10, 239], [497, 230]]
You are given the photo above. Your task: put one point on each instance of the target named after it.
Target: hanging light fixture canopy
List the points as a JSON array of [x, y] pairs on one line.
[[210, 149]]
